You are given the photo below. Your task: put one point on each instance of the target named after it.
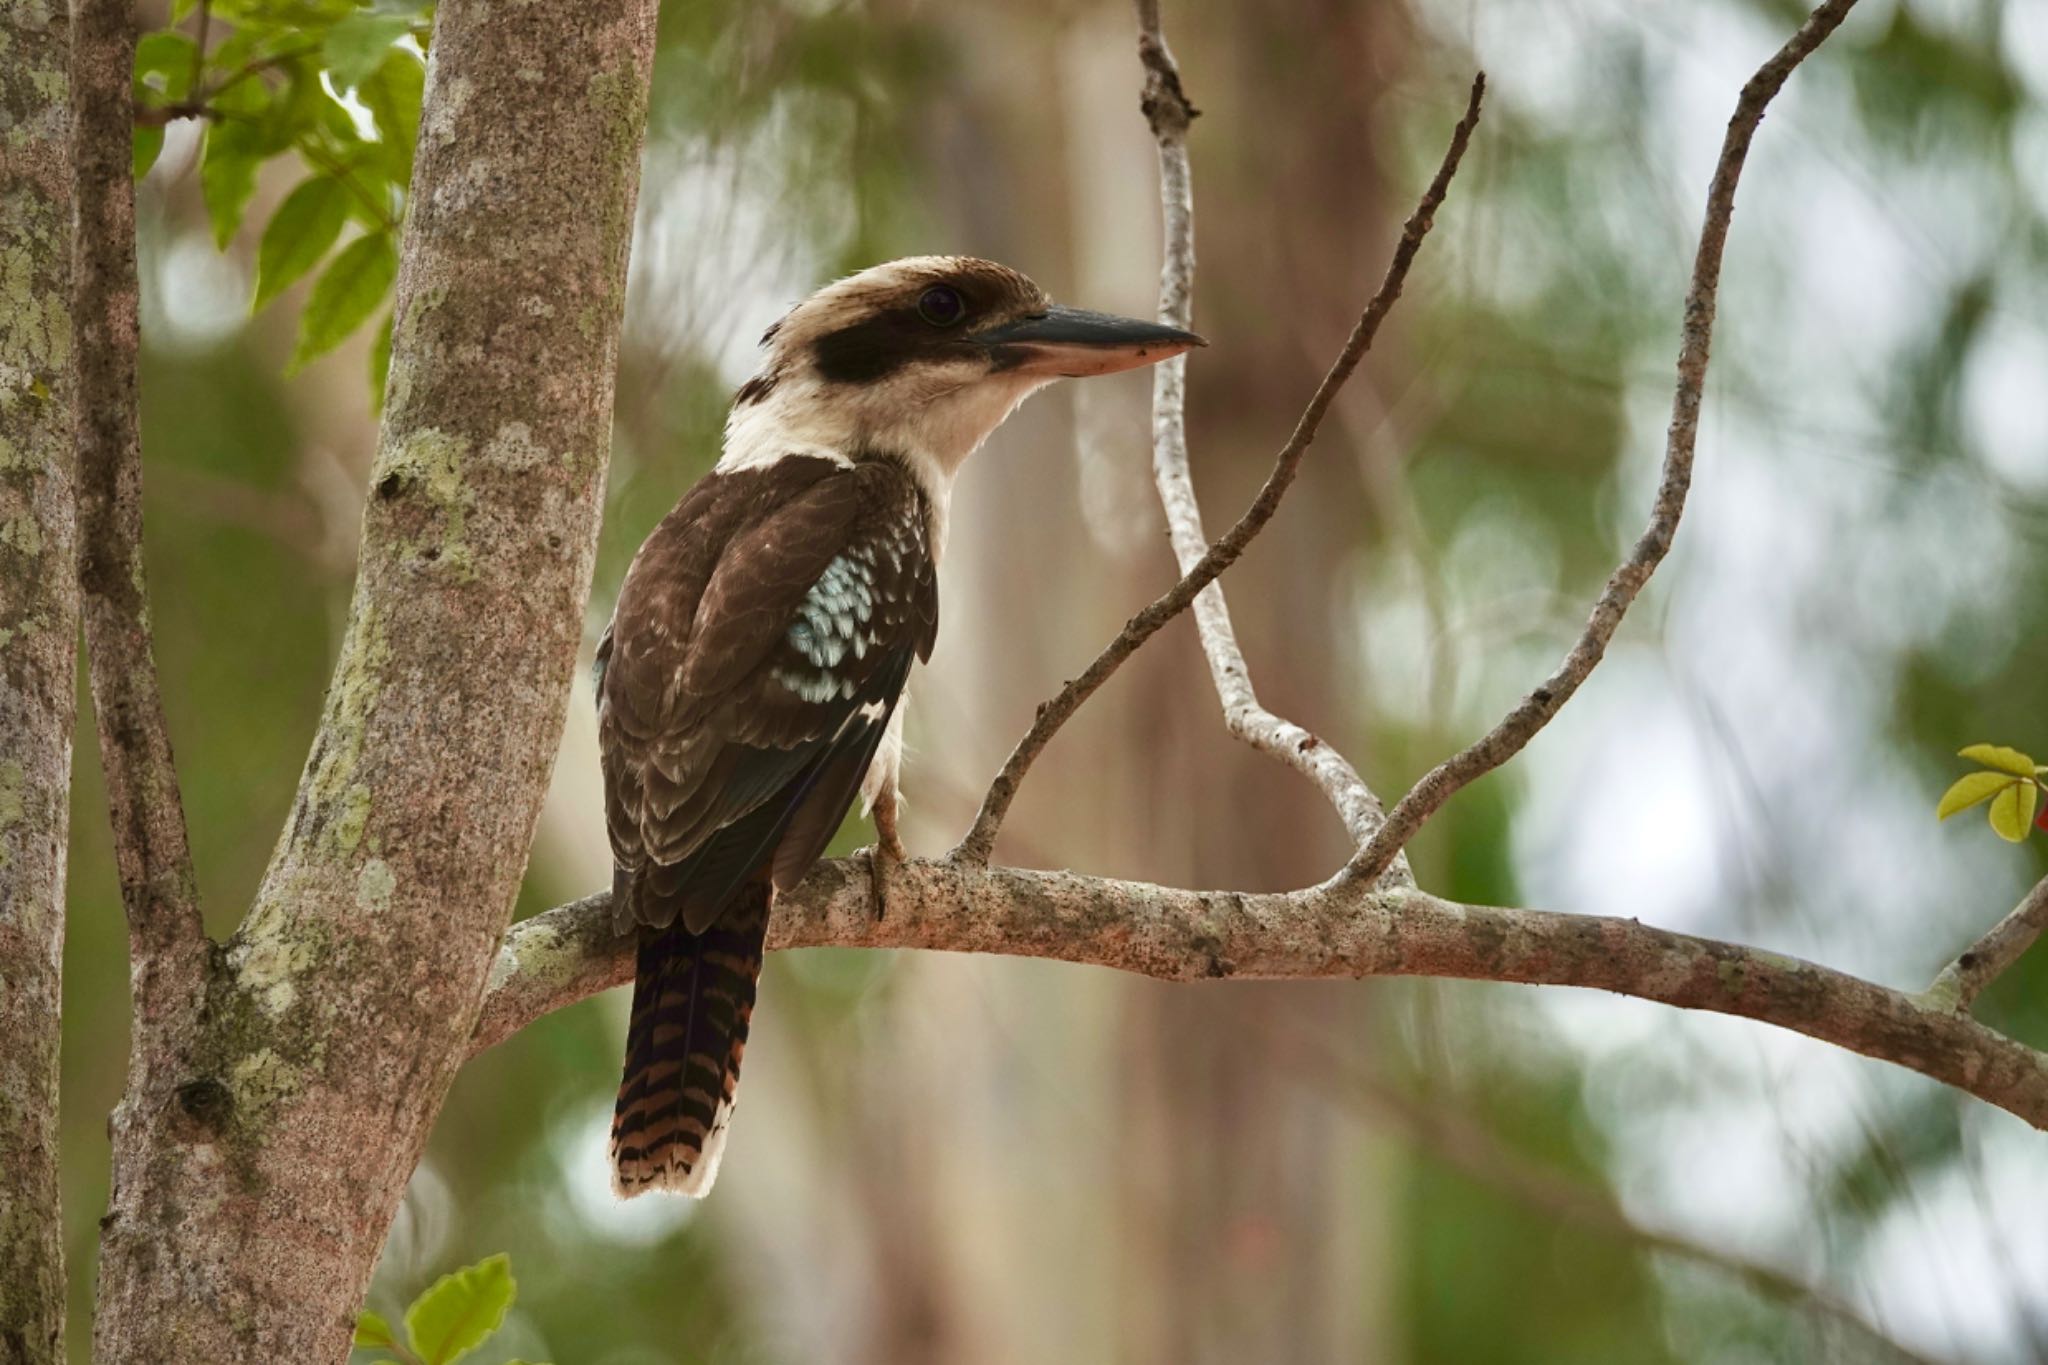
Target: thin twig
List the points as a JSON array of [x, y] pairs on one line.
[[166, 938], [1168, 112], [1537, 709], [1463, 1143], [1978, 965], [980, 839]]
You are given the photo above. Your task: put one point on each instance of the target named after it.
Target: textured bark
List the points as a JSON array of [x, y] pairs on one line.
[[1339, 930], [38, 630], [151, 853], [266, 1153]]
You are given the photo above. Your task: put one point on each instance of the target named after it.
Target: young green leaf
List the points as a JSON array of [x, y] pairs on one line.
[[346, 293], [2012, 810], [454, 1316], [356, 46], [373, 1332], [299, 234], [392, 95], [163, 65], [2000, 757], [1969, 790], [149, 141], [227, 177]]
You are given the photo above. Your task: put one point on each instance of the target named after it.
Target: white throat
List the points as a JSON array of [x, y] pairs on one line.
[[933, 419]]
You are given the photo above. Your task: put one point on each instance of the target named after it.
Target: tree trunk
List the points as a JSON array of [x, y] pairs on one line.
[[38, 634], [266, 1138]]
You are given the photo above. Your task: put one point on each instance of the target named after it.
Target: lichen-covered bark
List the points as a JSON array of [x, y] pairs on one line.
[[38, 627], [254, 1192]]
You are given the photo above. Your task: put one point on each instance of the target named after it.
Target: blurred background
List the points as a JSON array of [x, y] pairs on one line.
[[951, 1159]]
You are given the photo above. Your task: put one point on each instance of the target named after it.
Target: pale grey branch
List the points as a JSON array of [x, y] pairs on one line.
[[1537, 709], [1168, 111]]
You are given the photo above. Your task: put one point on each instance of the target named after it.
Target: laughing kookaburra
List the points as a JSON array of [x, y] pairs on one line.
[[748, 685]]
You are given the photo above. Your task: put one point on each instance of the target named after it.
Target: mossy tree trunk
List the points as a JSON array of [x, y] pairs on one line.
[[270, 1129], [38, 661]]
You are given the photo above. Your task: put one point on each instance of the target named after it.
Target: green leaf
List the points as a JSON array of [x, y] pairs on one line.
[[2012, 810], [296, 108], [346, 293], [163, 65], [392, 95], [149, 141], [454, 1316], [227, 177], [2000, 757], [380, 365], [299, 234], [1969, 790], [356, 46], [372, 1331]]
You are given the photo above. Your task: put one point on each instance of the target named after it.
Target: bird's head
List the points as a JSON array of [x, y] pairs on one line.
[[923, 358]]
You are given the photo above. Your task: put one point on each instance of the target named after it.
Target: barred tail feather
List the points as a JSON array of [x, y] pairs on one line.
[[693, 995]]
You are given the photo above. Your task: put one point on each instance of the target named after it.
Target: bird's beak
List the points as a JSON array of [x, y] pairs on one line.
[[1073, 343]]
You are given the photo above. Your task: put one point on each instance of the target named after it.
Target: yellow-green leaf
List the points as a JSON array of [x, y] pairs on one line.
[[453, 1317], [1969, 790], [373, 1332], [2012, 810], [346, 293], [2004, 759]]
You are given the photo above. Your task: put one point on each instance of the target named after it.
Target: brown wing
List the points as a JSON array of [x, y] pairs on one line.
[[760, 643]]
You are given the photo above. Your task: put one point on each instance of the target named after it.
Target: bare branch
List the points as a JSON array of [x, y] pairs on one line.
[[1461, 1142], [1537, 709], [980, 839], [1168, 112], [166, 937], [1978, 965], [1344, 929]]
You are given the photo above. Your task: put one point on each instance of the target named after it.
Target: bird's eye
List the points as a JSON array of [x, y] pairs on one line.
[[941, 305]]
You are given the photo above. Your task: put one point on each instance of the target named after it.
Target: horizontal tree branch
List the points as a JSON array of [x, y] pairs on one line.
[[1343, 928], [1536, 710], [980, 839], [1978, 965]]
